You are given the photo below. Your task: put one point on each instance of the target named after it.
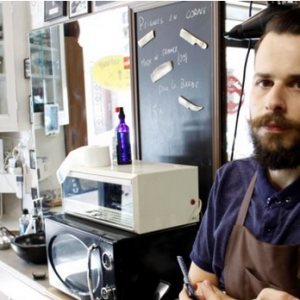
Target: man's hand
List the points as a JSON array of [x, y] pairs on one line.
[[184, 295], [206, 291], [210, 292], [196, 276]]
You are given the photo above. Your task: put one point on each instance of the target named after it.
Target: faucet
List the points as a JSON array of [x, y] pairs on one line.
[[36, 223]]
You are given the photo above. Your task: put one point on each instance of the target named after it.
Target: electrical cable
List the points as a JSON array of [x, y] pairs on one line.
[[1, 206], [242, 91], [240, 101]]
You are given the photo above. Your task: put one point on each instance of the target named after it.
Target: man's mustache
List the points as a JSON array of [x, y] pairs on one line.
[[274, 119]]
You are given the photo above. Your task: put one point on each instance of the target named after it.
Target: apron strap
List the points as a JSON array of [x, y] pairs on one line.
[[246, 201]]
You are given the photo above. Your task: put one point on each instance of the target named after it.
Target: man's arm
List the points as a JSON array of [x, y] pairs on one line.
[[197, 275]]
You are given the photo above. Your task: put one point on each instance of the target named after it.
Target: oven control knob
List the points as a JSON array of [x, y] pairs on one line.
[[107, 292], [107, 261]]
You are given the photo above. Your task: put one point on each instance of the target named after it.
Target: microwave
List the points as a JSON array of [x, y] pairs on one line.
[[141, 197], [89, 260]]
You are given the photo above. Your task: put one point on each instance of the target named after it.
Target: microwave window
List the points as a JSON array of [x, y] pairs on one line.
[[76, 186], [113, 195], [102, 201], [68, 256], [109, 195]]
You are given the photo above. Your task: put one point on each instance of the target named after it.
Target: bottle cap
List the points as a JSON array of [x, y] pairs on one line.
[[121, 112], [25, 211]]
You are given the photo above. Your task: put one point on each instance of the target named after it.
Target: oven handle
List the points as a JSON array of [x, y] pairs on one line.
[[89, 272]]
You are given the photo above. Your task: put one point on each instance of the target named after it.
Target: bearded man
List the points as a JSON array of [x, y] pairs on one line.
[[248, 244]]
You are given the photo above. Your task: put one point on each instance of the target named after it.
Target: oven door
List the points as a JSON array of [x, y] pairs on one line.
[[102, 199], [76, 262]]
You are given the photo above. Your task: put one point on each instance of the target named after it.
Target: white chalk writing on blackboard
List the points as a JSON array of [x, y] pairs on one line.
[[192, 13], [172, 18], [163, 89], [146, 62], [167, 51], [156, 112], [182, 58], [183, 84], [144, 24], [189, 84], [173, 85]]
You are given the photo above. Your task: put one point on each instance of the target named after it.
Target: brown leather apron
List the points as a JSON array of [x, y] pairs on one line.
[[251, 265]]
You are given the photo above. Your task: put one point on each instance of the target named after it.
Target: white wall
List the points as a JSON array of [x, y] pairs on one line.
[[21, 26]]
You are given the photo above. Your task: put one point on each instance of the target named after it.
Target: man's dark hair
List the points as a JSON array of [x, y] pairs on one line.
[[286, 22]]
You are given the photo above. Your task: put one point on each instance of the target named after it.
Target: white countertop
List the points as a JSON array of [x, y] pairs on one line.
[[17, 281]]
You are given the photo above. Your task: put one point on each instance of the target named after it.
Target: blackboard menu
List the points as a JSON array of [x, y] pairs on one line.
[[174, 75]]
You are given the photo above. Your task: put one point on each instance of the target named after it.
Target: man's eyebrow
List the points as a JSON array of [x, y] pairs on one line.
[[294, 76], [262, 75], [267, 76]]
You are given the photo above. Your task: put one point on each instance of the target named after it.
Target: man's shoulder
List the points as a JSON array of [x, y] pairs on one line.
[[242, 169], [246, 164]]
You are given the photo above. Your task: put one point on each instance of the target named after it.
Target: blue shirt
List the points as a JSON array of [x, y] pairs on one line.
[[273, 216]]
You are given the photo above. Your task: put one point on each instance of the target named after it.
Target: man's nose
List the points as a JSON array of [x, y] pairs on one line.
[[276, 100]]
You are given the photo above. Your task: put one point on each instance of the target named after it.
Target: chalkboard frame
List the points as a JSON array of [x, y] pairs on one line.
[[218, 84]]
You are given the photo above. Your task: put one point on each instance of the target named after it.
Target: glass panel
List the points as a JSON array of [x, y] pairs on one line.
[[46, 67], [236, 13], [3, 99], [106, 70], [69, 259], [243, 146], [108, 202]]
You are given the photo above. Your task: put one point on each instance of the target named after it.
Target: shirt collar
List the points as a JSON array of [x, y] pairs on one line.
[[288, 196]]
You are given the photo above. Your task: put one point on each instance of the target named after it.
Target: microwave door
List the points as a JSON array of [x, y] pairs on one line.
[[69, 259]]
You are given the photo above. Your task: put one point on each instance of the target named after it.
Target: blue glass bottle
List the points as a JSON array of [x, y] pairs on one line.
[[123, 140]]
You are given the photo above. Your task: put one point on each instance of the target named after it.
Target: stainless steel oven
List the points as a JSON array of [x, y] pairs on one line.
[[88, 260]]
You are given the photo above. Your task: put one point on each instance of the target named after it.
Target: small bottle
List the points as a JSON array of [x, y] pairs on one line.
[[123, 141], [24, 221]]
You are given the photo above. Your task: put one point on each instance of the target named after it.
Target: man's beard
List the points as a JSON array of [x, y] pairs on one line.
[[276, 151]]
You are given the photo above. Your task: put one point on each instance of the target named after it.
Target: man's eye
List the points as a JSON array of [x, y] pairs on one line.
[[296, 84], [264, 83]]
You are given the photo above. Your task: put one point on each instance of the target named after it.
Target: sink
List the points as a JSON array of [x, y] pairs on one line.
[[31, 247]]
